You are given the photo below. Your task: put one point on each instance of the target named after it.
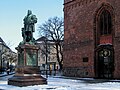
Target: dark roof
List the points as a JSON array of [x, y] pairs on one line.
[[1, 40], [44, 38], [3, 43], [41, 38]]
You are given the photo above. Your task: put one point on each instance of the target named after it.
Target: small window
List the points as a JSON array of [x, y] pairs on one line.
[[105, 23], [85, 59]]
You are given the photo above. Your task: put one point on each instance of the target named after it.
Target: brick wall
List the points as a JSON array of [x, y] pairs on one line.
[[117, 39], [79, 36]]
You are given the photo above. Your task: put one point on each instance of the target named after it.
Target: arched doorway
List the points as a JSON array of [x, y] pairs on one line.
[[105, 61], [104, 50]]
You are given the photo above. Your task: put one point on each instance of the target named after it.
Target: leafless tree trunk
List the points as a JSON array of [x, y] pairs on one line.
[[53, 30]]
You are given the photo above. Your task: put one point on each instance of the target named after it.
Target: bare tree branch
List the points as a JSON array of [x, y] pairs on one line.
[[53, 29]]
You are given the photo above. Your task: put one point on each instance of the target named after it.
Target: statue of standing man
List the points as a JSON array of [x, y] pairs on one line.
[[29, 21], [29, 28]]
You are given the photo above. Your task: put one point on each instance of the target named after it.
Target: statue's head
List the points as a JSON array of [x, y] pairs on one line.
[[29, 12]]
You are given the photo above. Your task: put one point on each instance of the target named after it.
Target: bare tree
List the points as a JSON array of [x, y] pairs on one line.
[[53, 30], [7, 55]]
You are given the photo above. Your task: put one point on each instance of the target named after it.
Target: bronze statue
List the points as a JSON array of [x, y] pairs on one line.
[[27, 71], [29, 21], [29, 28]]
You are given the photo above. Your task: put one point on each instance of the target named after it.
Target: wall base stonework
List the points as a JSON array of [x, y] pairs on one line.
[[27, 70], [27, 76], [27, 80], [77, 72]]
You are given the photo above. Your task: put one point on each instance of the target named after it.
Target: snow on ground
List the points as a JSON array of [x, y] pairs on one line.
[[61, 83]]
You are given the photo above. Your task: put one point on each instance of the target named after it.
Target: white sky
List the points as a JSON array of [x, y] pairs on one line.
[[12, 13]]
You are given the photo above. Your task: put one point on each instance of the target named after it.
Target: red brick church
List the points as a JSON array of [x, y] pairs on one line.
[[92, 38]]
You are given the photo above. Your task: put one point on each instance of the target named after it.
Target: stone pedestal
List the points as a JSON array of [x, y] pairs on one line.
[[27, 70]]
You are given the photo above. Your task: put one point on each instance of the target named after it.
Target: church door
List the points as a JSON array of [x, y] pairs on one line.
[[105, 63]]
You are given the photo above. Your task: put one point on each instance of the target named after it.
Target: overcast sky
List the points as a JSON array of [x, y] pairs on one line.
[[12, 13]]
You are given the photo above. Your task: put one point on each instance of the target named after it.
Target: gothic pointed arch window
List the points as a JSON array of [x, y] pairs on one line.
[[105, 23]]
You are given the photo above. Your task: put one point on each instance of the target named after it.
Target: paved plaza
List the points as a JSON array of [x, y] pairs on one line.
[[65, 83]]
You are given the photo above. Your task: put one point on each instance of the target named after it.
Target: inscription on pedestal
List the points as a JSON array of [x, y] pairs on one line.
[[31, 58]]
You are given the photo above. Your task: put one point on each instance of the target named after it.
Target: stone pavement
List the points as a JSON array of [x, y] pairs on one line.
[[65, 83]]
